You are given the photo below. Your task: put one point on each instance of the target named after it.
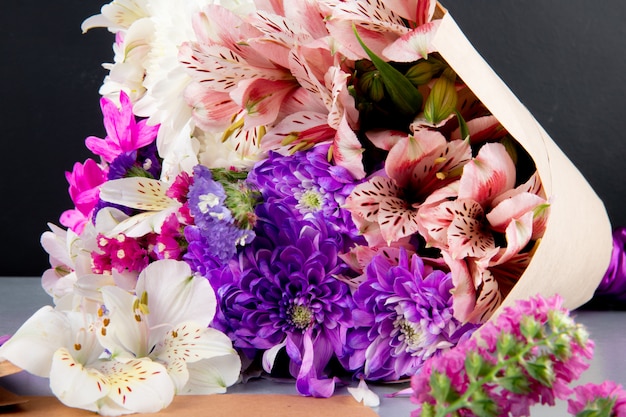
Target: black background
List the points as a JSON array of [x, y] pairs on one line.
[[564, 59]]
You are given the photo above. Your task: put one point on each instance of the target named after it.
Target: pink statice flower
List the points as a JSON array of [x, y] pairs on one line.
[[170, 243], [85, 180], [529, 354], [122, 253], [124, 132], [596, 397]]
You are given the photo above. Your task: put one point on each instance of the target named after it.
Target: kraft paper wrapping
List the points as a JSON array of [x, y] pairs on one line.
[[576, 248]]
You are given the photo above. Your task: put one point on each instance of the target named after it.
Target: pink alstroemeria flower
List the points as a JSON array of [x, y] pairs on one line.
[[465, 221], [383, 28], [386, 206], [85, 180], [271, 75], [124, 133]]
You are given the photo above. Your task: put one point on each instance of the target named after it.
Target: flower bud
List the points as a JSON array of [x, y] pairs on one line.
[[420, 73], [372, 84], [441, 101]]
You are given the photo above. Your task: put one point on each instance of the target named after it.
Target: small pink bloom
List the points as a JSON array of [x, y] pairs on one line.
[[124, 133], [589, 393], [85, 180]]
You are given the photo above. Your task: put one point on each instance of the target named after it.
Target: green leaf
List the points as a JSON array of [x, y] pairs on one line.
[[403, 94], [462, 126]]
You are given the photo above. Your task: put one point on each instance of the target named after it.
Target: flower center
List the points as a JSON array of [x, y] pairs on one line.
[[409, 334], [300, 316], [311, 200]]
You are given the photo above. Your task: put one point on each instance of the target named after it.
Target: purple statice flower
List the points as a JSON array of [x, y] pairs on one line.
[[403, 316], [202, 254], [283, 292], [214, 222], [598, 397], [306, 183]]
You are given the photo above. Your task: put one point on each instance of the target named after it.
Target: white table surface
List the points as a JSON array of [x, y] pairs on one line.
[[21, 297]]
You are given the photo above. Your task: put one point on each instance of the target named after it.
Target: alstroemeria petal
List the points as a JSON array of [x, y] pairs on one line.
[[124, 332], [364, 200], [33, 345], [363, 394], [482, 129], [138, 386], [414, 45], [138, 193], [491, 173], [464, 292], [348, 151], [261, 99], [396, 219], [191, 342], [418, 11], [214, 375], [408, 152], [175, 295], [75, 385], [466, 233], [518, 233], [511, 208], [488, 299]]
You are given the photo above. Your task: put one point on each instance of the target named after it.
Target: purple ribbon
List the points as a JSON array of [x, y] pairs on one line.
[[613, 285]]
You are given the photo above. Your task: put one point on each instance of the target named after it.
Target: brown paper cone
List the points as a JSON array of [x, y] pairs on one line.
[[576, 248]]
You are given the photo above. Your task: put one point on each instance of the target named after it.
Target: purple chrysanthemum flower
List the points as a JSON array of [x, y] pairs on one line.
[[283, 292], [403, 316], [306, 183], [218, 232]]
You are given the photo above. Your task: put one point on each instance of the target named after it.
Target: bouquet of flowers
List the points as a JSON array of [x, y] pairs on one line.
[[327, 190]]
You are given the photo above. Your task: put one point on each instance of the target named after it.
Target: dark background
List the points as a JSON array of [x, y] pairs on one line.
[[564, 59]]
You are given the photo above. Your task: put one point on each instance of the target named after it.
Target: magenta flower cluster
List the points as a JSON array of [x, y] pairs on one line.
[[529, 354]]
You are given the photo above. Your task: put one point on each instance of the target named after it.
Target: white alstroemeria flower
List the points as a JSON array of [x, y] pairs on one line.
[[146, 194], [167, 321], [62, 345], [35, 342], [70, 258]]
